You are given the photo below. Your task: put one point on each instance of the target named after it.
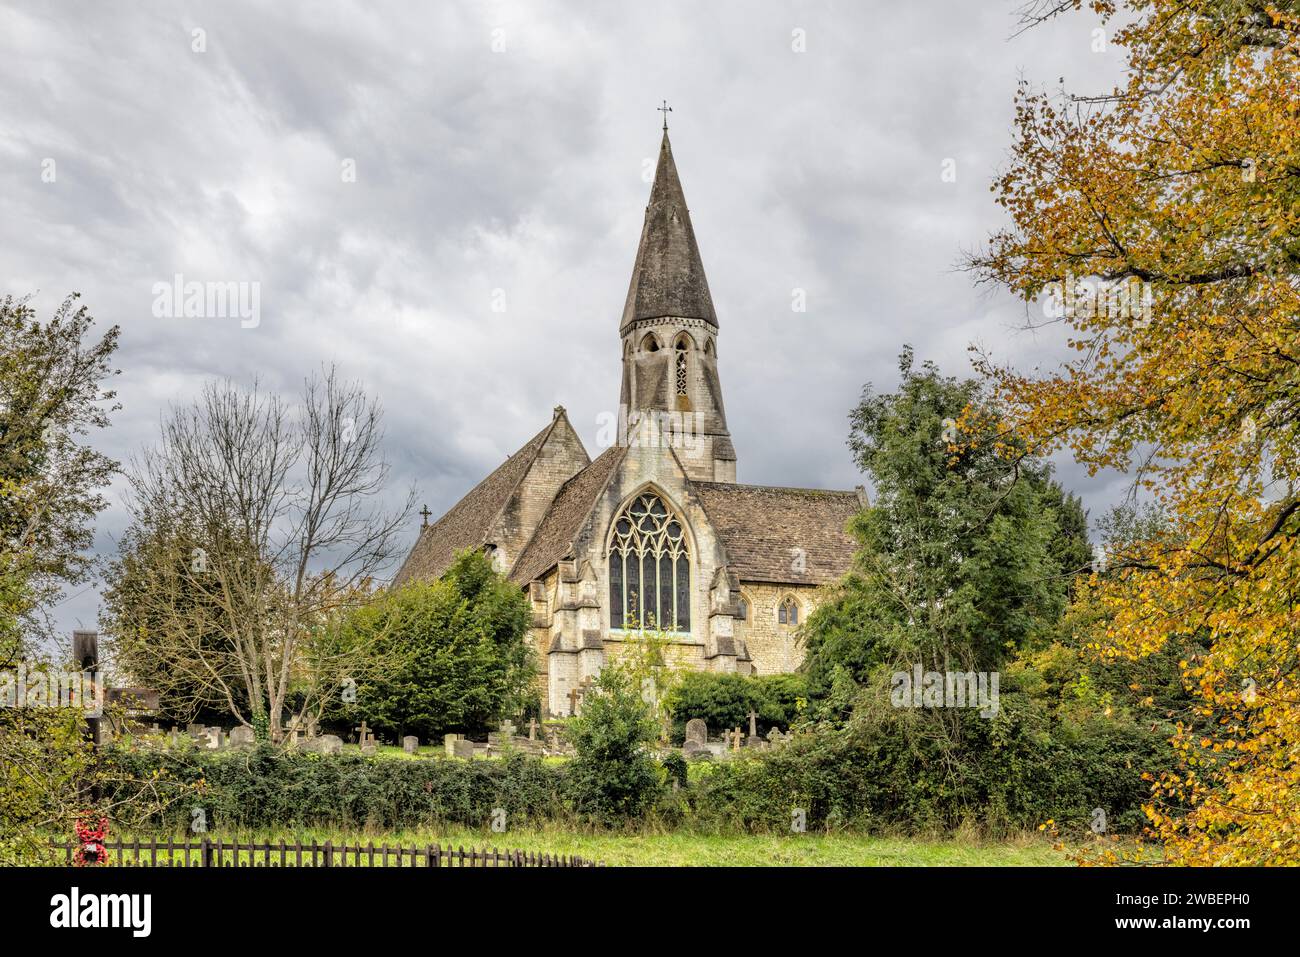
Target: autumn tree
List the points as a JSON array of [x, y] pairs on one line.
[[1161, 219]]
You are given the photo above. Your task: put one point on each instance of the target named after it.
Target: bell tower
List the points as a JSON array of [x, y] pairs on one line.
[[669, 333]]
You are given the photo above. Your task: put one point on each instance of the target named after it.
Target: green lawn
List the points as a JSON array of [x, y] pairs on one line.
[[684, 849]]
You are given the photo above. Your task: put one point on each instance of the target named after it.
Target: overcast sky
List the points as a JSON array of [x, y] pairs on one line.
[[502, 154]]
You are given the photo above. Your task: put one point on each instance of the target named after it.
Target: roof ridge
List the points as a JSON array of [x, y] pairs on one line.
[[781, 488], [614, 451], [555, 419]]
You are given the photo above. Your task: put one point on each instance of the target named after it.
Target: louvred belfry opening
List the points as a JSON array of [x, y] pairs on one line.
[[649, 569]]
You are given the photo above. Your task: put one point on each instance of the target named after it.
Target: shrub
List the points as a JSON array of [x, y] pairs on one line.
[[460, 662], [613, 776], [725, 701], [271, 788]]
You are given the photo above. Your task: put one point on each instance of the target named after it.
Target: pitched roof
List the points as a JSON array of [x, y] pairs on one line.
[[761, 526], [573, 503], [467, 523], [668, 276]]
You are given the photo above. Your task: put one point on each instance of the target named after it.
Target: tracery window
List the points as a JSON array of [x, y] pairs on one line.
[[681, 367], [649, 569]]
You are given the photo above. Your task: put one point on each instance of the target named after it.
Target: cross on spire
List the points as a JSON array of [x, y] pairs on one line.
[[665, 110], [426, 513]]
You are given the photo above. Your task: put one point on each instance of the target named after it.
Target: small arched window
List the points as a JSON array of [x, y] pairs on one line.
[[787, 613], [650, 343], [742, 607]]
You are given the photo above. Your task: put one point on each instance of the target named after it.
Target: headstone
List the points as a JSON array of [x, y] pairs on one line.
[[242, 737], [329, 744], [753, 724], [216, 738], [532, 729], [697, 751], [463, 749], [507, 729], [449, 743], [697, 730], [410, 744]]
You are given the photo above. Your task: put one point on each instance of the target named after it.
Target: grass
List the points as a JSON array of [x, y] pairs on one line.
[[691, 850]]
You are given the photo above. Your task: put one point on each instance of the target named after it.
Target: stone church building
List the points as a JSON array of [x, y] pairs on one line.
[[655, 532]]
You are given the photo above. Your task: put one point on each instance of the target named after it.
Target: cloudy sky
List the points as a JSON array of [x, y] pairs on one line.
[[445, 200]]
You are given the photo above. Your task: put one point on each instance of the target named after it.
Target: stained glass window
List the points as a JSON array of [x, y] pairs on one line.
[[649, 569]]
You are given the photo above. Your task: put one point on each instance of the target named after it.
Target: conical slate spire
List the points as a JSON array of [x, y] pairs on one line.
[[668, 277]]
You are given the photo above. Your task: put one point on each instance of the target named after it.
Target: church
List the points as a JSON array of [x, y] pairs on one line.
[[655, 533]]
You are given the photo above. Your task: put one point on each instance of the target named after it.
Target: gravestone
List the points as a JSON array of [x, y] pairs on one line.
[[697, 751], [449, 744], [325, 744], [697, 731], [410, 744], [532, 729], [242, 737], [463, 749], [216, 738]]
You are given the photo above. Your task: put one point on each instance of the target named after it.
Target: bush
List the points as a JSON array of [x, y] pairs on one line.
[[460, 661], [613, 776], [271, 788], [921, 771], [725, 701]]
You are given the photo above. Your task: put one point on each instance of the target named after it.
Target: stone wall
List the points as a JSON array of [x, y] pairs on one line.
[[771, 645]]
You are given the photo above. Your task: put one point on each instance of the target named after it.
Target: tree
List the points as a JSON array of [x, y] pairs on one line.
[[613, 775], [1182, 184], [957, 566], [455, 652], [52, 393], [251, 527]]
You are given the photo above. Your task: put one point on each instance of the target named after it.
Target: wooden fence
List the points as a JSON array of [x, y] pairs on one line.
[[209, 853]]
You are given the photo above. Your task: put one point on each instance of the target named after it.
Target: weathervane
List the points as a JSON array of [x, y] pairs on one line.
[[665, 110]]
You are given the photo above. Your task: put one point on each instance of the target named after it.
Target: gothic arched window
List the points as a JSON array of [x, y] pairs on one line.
[[649, 569], [787, 613]]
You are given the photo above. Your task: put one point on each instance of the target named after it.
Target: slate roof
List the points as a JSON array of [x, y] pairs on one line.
[[760, 525], [668, 276], [468, 522], [573, 503]]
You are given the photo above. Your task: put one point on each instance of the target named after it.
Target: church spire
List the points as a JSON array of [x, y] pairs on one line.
[[668, 276]]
